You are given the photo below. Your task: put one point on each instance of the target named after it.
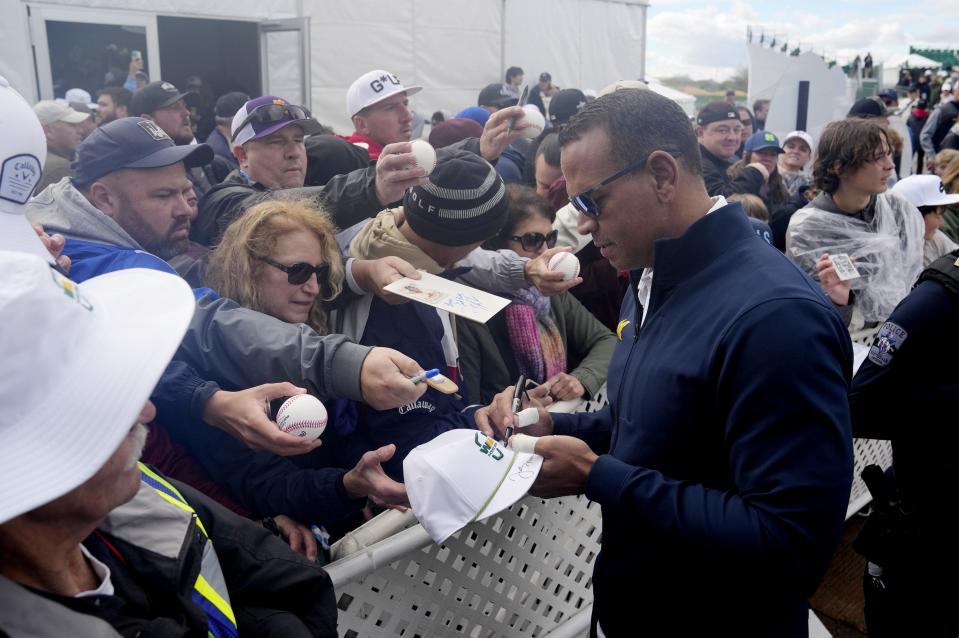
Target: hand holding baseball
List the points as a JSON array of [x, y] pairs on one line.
[[396, 170], [550, 282], [245, 416]]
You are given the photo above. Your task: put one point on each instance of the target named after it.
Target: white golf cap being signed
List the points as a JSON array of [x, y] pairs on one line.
[[463, 476]]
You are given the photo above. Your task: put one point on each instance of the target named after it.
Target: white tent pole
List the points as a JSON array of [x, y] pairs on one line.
[[502, 37]]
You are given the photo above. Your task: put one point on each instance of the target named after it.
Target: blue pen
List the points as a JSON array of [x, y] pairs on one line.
[[429, 374], [322, 537]]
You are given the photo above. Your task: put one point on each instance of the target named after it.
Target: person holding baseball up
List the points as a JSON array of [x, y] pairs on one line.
[[551, 340]]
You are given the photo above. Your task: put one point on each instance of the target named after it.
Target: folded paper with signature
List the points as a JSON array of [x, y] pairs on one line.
[[463, 476]]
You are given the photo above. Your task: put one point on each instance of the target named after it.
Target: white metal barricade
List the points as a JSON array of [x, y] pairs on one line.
[[866, 451]]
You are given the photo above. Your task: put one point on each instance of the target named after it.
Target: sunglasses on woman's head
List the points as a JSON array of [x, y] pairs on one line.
[[299, 273], [535, 241]]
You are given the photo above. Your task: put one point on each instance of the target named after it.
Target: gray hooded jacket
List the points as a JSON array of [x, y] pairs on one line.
[[235, 346]]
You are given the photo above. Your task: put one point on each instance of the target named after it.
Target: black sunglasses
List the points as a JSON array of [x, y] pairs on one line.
[[584, 202], [299, 273], [535, 241], [269, 113]]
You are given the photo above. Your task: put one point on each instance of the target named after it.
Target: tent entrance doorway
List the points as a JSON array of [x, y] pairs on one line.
[[90, 48]]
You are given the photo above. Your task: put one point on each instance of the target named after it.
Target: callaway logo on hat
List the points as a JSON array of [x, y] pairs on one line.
[[463, 476], [375, 86], [22, 149]]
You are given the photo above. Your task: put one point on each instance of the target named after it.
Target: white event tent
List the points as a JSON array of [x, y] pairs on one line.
[[309, 51]]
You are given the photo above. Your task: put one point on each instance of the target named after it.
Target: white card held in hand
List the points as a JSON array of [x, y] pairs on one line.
[[845, 269], [454, 297]]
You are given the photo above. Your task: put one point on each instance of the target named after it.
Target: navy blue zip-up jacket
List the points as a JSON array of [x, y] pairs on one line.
[[728, 450], [415, 330]]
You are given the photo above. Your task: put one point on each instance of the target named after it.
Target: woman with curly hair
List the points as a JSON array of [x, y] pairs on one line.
[[280, 258]]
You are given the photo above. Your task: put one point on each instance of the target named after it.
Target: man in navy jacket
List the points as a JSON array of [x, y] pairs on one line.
[[724, 460]]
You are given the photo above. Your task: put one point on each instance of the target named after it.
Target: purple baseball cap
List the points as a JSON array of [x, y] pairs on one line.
[[266, 115]]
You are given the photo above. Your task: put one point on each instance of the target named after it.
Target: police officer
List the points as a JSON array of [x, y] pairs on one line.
[[907, 391]]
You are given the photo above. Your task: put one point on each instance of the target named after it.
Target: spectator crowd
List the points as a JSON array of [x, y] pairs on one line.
[[186, 287]]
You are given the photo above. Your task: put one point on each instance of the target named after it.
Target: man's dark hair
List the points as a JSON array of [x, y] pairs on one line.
[[524, 203], [742, 109], [637, 123], [119, 95], [512, 72], [549, 149], [758, 104], [845, 146]]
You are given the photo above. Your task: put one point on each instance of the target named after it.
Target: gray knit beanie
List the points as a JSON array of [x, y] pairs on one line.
[[463, 203]]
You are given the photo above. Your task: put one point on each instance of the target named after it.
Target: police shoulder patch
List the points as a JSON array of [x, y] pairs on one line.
[[888, 341]]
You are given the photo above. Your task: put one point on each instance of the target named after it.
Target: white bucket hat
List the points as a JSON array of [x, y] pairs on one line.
[[375, 86], [23, 147], [78, 364], [924, 190], [463, 476]]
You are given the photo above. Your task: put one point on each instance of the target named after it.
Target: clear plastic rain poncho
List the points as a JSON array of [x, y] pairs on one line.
[[887, 251]]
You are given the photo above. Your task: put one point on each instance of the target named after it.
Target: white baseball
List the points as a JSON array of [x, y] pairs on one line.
[[535, 119], [425, 154], [302, 415], [566, 263]]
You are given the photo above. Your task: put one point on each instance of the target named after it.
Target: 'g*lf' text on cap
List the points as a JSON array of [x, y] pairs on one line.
[[373, 87]]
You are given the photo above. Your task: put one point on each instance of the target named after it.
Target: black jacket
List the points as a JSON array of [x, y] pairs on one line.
[[718, 181], [272, 590], [906, 391], [348, 198]]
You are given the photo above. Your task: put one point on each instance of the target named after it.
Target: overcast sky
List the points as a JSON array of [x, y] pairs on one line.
[[707, 40]]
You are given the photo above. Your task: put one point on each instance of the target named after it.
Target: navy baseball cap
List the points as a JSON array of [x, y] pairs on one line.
[[868, 107], [272, 114], [227, 105], [761, 141], [132, 142], [154, 96], [496, 95], [889, 94], [716, 112]]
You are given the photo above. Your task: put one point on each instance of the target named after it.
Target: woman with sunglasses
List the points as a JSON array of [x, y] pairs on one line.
[[552, 340], [281, 258]]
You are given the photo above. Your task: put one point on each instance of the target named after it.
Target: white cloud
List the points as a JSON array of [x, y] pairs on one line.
[[709, 40]]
